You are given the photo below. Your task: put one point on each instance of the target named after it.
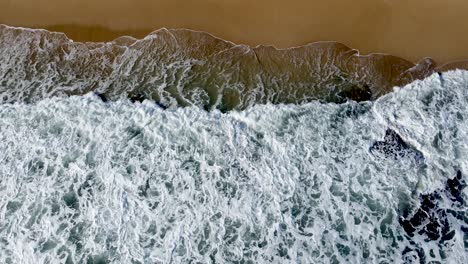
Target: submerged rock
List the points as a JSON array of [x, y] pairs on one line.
[[393, 146], [433, 219]]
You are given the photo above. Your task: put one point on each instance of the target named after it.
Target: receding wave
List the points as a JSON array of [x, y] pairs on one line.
[[185, 68]]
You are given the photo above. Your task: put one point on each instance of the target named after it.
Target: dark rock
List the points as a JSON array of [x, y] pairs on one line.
[[355, 93], [455, 187], [102, 97], [430, 219], [161, 106], [394, 147], [136, 98]]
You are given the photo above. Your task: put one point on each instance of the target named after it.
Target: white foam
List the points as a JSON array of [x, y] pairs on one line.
[[132, 183]]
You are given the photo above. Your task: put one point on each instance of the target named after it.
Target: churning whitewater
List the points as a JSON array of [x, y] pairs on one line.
[[87, 181]]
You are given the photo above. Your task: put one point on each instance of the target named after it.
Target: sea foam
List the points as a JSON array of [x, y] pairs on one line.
[[122, 182], [179, 67]]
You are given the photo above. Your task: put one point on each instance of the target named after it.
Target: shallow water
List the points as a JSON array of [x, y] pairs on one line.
[[187, 68], [121, 182]]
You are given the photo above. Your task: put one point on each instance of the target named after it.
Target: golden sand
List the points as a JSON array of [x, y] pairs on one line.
[[411, 29]]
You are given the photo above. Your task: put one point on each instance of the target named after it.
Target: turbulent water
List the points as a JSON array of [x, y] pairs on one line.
[[83, 180]]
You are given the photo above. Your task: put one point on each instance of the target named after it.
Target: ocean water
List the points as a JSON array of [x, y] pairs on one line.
[[87, 181], [189, 68]]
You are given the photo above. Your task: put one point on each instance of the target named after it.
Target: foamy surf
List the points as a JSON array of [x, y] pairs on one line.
[[190, 68], [84, 180]]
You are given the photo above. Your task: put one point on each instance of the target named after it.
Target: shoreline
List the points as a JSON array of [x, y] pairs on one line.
[[408, 29], [84, 34], [179, 67]]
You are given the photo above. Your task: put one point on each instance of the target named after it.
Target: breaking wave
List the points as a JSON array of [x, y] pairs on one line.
[[84, 180]]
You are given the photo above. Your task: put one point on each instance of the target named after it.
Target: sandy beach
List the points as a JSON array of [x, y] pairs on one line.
[[233, 131], [409, 29]]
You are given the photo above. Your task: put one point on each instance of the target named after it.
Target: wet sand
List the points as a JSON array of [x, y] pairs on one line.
[[183, 67], [411, 29]]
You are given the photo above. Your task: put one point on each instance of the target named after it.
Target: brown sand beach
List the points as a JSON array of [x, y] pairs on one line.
[[412, 29]]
